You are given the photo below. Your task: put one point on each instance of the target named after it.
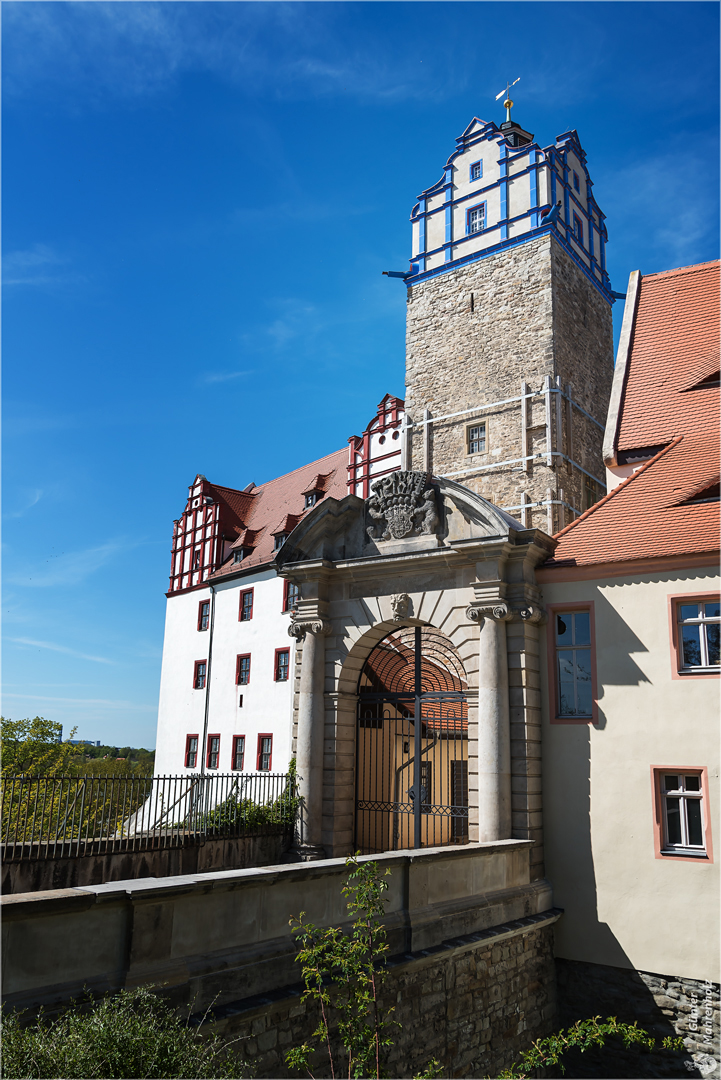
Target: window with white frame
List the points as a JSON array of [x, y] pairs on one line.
[[682, 814], [476, 438], [698, 635], [477, 219], [573, 663], [476, 170]]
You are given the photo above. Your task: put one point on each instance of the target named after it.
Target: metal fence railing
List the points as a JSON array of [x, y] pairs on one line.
[[44, 817]]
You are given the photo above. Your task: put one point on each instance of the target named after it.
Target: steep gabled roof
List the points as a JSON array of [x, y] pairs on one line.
[[649, 515], [278, 506], [673, 347], [669, 506]]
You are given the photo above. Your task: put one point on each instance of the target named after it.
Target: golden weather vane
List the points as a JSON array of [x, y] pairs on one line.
[[508, 104]]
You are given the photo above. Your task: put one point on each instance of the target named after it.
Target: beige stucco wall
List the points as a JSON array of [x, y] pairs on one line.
[[623, 906]]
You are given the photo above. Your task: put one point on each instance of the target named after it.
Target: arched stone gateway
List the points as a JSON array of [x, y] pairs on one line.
[[427, 554]]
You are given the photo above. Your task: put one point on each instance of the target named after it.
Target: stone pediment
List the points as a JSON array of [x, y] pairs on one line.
[[406, 512]]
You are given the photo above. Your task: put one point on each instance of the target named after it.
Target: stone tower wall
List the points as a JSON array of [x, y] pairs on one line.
[[473, 334]]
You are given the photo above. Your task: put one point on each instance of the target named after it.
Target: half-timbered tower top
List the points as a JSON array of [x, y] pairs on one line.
[[500, 188]]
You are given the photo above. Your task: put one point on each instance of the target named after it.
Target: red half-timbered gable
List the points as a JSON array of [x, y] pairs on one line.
[[378, 450], [213, 519]]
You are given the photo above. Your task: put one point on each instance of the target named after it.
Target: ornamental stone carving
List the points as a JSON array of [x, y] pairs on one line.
[[299, 628], [531, 613], [400, 603], [404, 504], [498, 611]]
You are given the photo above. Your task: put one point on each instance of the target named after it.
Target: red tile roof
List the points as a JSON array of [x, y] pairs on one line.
[[675, 346], [277, 506], [648, 515], [652, 514]]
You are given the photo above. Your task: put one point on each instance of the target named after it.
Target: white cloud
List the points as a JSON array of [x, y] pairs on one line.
[[59, 648], [38, 265], [30, 500], [652, 214], [131, 49], [67, 569], [224, 376], [89, 702]]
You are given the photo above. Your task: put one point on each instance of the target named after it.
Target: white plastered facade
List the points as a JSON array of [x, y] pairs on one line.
[[624, 905], [266, 705]]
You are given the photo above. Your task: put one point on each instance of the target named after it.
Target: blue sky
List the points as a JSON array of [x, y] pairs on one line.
[[199, 199]]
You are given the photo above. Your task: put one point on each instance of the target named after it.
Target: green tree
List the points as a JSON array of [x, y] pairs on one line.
[[583, 1035], [344, 974], [33, 747]]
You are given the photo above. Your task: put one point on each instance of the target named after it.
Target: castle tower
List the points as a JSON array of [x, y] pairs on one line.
[[509, 340]]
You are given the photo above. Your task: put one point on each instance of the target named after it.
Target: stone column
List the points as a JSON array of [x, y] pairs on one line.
[[494, 727], [311, 721]]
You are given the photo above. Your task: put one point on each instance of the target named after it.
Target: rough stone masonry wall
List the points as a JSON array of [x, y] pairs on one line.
[[662, 1004], [472, 1007], [474, 333]]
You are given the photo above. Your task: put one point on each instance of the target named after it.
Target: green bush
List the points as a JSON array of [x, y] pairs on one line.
[[131, 1034], [250, 815]]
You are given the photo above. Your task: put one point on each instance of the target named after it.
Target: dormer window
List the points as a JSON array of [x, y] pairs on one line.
[[279, 540], [238, 556], [312, 498]]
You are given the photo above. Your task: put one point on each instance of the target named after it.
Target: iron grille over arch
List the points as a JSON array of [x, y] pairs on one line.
[[412, 743]]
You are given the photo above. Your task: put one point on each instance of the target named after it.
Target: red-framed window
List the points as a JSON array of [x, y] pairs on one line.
[[282, 665], [213, 755], [200, 671], [291, 595], [203, 614], [196, 560], [695, 632], [682, 823], [578, 228], [245, 610], [572, 663], [237, 759], [265, 753], [191, 751], [242, 669]]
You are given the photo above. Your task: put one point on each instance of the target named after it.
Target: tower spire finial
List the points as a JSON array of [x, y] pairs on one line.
[[508, 104]]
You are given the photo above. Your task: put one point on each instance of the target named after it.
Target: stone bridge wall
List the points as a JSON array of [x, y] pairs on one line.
[[473, 975]]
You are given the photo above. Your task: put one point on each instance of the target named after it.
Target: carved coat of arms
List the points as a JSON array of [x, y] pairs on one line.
[[404, 504]]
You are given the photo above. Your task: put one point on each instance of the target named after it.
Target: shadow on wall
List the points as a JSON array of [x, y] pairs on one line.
[[613, 987]]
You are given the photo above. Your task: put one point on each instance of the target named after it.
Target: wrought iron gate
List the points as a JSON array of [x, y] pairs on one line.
[[412, 744]]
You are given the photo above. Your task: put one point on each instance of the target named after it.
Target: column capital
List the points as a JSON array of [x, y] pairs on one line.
[[300, 627], [532, 613], [497, 610]]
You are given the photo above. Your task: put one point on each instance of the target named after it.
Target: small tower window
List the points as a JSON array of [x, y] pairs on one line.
[[476, 437], [477, 219], [476, 170], [578, 228]]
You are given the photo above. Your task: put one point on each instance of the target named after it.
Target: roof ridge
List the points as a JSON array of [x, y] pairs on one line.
[[682, 269], [341, 450], [619, 487]]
